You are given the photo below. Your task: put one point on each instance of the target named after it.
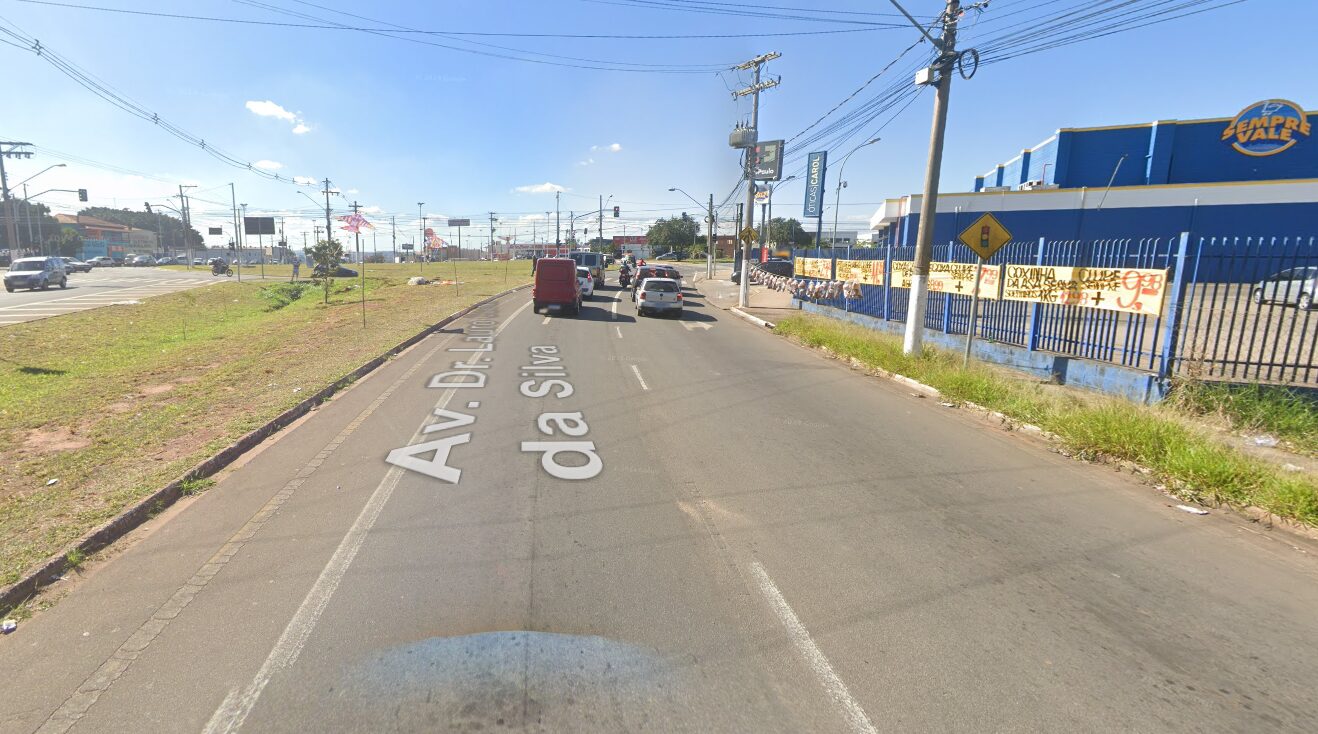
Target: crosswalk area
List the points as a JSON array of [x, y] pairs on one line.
[[96, 289]]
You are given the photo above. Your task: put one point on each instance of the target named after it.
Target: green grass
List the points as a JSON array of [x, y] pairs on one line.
[[75, 558], [1266, 409], [116, 402], [1193, 462]]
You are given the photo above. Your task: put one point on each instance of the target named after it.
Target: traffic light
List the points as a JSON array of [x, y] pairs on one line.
[[148, 207], [82, 194], [617, 211]]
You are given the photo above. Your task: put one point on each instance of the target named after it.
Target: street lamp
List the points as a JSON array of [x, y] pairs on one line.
[[768, 221], [38, 173], [27, 205], [838, 197]]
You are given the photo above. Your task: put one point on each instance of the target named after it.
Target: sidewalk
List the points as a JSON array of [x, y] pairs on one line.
[[722, 293]]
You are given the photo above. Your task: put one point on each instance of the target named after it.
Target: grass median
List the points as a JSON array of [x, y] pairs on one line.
[[1193, 462], [100, 408]]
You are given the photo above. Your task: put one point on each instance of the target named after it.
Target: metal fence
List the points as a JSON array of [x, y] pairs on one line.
[[1227, 315]]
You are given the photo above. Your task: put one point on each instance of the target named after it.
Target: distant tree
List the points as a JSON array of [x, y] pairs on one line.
[[326, 256], [676, 234], [67, 243], [789, 232]]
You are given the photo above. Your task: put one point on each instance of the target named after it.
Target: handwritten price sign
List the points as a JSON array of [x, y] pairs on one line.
[[814, 267], [867, 272], [1130, 290], [957, 278]]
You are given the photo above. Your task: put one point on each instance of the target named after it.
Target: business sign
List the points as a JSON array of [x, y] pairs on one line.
[[815, 169], [1129, 290], [1267, 128], [215, 230], [814, 267], [406, 246], [953, 278], [767, 161], [762, 196], [459, 222], [258, 225], [867, 272]]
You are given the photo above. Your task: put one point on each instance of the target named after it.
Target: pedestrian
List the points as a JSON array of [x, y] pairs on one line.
[[296, 264]]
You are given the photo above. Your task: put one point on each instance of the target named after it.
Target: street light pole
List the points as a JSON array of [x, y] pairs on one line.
[[838, 197], [422, 239]]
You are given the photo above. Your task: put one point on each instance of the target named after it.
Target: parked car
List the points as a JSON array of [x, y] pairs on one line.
[[36, 273], [659, 295], [74, 265], [166, 260], [104, 261], [1297, 286], [672, 255], [774, 266], [587, 280], [141, 261], [198, 261], [339, 272], [556, 284]]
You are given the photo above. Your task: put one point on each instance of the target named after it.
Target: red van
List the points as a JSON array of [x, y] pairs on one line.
[[556, 284]]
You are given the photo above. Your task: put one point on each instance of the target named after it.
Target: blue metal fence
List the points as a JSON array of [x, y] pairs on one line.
[[1228, 315]]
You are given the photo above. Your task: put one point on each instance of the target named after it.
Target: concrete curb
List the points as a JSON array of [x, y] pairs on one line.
[[128, 520], [753, 319]]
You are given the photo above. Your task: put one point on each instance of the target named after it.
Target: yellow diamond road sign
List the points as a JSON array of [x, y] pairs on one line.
[[749, 235], [986, 236]]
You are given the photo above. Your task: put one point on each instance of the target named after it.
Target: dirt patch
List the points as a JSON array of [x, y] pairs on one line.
[[119, 407], [54, 440], [157, 389]]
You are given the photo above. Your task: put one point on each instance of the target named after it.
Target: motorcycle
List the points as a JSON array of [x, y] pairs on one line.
[[625, 277], [221, 267]]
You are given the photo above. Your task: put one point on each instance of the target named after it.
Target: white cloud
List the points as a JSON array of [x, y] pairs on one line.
[[587, 162], [304, 181], [301, 128], [371, 210], [268, 165], [615, 147], [270, 109], [544, 188]]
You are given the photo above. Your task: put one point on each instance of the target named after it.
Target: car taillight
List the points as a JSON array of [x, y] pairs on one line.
[[642, 295], [679, 296]]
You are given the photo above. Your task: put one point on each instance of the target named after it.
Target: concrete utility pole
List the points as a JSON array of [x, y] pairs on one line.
[[422, 238], [743, 292], [329, 228], [948, 58], [9, 149], [361, 262], [558, 220], [393, 227], [709, 240], [492, 221], [186, 213]]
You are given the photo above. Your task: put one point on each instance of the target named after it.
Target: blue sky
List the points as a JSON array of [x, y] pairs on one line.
[[395, 122]]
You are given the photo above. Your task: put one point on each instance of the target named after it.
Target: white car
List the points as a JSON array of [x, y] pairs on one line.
[[659, 295], [587, 281]]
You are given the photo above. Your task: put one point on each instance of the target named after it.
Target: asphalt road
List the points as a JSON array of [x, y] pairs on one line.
[[100, 287], [769, 542]]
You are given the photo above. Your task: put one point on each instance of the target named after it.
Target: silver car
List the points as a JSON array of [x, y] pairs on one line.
[[659, 295], [36, 273], [1296, 286]]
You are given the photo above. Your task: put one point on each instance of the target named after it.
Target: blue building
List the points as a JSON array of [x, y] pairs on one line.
[[1254, 174]]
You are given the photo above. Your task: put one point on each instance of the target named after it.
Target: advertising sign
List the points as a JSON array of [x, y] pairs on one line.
[[215, 230], [815, 169], [258, 225], [1267, 128], [1129, 290], [955, 278], [814, 267], [867, 272], [459, 222], [767, 161]]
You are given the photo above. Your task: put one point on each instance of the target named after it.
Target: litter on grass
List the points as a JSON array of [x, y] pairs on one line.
[[1191, 510], [52, 482], [1268, 441], [8, 626]]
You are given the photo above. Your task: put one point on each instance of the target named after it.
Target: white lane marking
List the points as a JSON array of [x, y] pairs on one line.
[[546, 319], [640, 379], [693, 325], [619, 328], [237, 706], [837, 690], [613, 310]]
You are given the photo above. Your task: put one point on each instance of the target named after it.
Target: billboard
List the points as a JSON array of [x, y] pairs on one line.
[[215, 230], [459, 222], [767, 161], [258, 225], [815, 169]]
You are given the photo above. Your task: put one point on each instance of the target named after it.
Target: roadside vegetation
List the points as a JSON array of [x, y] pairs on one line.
[[1189, 459], [100, 408]]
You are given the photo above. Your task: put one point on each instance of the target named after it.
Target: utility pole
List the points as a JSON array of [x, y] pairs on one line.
[[237, 230], [948, 59], [743, 291], [492, 221], [558, 220], [422, 240], [709, 241], [185, 210], [10, 149], [600, 232], [329, 229], [361, 262], [393, 227]]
